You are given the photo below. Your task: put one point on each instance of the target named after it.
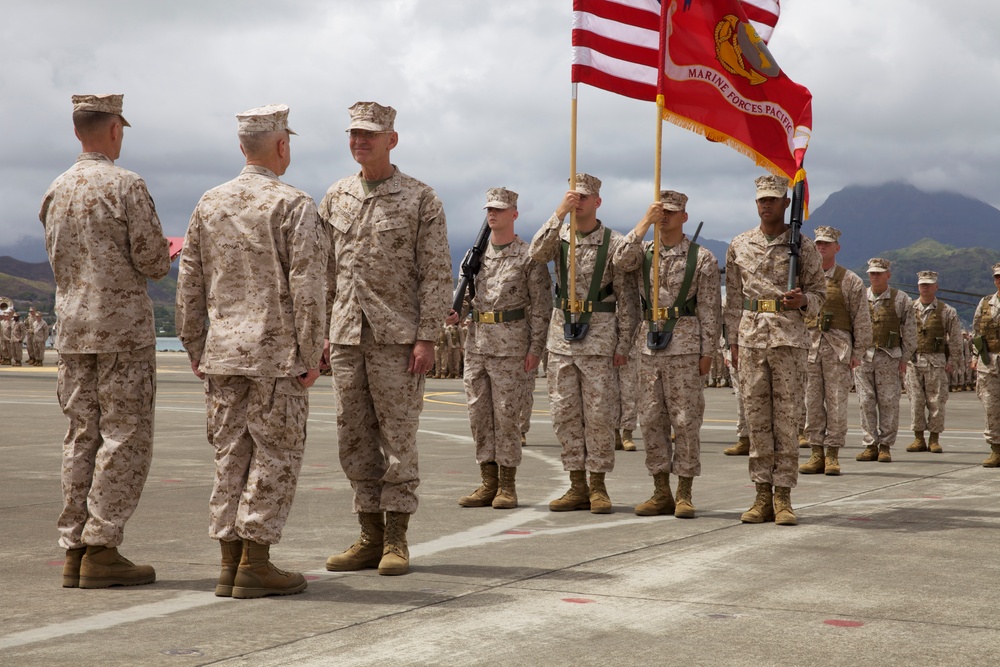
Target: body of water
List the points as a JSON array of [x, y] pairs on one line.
[[168, 344]]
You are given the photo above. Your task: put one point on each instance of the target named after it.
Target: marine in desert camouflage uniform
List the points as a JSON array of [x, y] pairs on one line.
[[390, 286], [6, 322], [583, 384], [768, 339], [839, 336], [986, 342], [16, 340], [671, 388], [939, 342], [104, 241], [504, 346], [628, 375], [254, 268], [877, 378]]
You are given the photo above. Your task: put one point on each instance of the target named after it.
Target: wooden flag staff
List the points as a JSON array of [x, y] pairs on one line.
[[573, 330]]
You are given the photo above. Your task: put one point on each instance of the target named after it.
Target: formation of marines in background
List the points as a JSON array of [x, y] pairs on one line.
[[272, 288]]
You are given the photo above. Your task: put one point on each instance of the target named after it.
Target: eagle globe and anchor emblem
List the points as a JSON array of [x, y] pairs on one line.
[[742, 52]]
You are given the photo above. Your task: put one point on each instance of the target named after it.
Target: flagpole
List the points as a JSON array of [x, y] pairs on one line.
[[657, 162], [574, 306]]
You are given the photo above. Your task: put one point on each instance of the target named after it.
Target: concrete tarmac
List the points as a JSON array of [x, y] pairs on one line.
[[892, 564]]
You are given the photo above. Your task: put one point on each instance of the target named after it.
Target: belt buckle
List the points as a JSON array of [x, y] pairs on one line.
[[488, 318], [767, 306]]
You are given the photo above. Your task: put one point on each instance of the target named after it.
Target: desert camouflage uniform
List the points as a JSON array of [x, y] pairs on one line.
[[628, 375], [926, 377], [672, 392], [828, 367], [39, 334], [988, 380], [583, 384], [389, 282], [877, 378], [772, 347], [454, 351], [16, 341], [104, 240], [5, 330], [441, 355], [496, 385], [254, 267]]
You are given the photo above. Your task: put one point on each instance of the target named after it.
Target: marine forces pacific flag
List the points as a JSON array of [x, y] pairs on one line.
[[719, 79]]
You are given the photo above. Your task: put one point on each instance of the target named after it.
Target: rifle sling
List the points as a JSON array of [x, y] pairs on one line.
[[682, 306], [595, 295]]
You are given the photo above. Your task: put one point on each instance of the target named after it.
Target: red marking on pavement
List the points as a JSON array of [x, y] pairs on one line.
[[517, 532], [859, 518], [172, 481], [577, 600], [836, 622], [322, 488], [932, 497], [311, 577]]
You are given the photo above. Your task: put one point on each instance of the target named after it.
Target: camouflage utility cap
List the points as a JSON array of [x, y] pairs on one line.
[[672, 200], [771, 186], [996, 269], [371, 116], [501, 198], [270, 118], [588, 185], [103, 103], [927, 277], [828, 234], [878, 265]]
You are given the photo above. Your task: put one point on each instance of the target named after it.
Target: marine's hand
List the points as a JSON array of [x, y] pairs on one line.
[[619, 360], [452, 318], [194, 367], [422, 357], [794, 300], [308, 378], [531, 362], [704, 365], [569, 203]]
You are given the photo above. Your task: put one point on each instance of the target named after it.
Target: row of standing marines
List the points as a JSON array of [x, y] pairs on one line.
[[272, 288], [16, 335]]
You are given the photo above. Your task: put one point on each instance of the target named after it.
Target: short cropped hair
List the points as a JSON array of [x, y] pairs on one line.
[[87, 122], [255, 143]]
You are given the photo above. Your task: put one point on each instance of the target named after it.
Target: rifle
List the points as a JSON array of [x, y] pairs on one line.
[[471, 263], [795, 241]]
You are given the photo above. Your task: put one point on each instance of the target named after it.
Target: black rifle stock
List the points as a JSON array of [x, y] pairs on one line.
[[795, 241], [471, 263]]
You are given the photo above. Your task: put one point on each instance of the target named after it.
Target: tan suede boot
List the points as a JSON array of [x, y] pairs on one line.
[[600, 501], [741, 448], [367, 551], [918, 444], [578, 496], [832, 464], [803, 440], [816, 463], [662, 500], [685, 508], [869, 454], [257, 577], [102, 567], [395, 553], [933, 444], [763, 506], [993, 461], [618, 440], [71, 566], [483, 496], [506, 496], [883, 454], [784, 515], [232, 554], [628, 444]]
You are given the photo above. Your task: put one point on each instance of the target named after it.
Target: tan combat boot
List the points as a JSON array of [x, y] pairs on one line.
[[257, 577], [933, 444], [578, 496], [784, 515], [619, 445], [816, 463], [395, 553], [506, 495], [992, 462], [367, 551], [883, 454], [600, 501], [232, 554], [869, 454], [763, 506], [662, 500], [102, 567], [803, 440], [685, 508], [741, 448], [628, 444], [918, 444], [832, 464], [71, 566], [483, 496]]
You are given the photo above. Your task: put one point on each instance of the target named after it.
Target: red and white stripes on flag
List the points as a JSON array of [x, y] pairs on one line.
[[616, 42]]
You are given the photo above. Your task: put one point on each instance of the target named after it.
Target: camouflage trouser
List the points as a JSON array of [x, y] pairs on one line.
[[828, 389], [496, 391], [17, 350], [742, 429], [36, 349], [628, 387], [441, 357], [927, 389], [771, 380], [879, 390], [672, 394], [109, 401], [257, 426], [378, 413], [529, 402], [583, 393], [988, 390], [455, 361], [4, 349]]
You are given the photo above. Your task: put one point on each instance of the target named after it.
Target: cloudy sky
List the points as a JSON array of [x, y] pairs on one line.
[[902, 90]]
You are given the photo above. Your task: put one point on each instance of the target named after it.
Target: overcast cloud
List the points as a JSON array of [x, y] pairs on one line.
[[902, 90]]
